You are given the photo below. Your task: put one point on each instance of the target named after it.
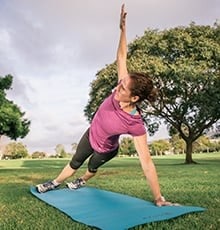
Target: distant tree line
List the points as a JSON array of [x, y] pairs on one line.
[[174, 145], [16, 150]]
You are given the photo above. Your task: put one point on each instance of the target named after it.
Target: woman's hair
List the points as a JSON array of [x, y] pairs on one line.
[[142, 86]]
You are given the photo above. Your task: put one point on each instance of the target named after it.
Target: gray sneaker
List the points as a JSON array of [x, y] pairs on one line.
[[47, 186], [79, 182]]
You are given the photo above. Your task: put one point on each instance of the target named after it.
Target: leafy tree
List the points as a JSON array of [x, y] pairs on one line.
[[127, 146], [214, 131], [214, 146], [60, 151], [178, 144], [12, 121], [38, 154], [202, 144], [184, 63], [15, 150], [74, 147], [159, 147]]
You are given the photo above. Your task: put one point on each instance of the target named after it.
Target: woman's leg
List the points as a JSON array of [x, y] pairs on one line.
[[95, 161], [65, 173], [83, 151], [88, 175]]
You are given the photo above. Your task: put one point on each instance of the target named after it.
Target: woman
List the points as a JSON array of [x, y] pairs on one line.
[[101, 141]]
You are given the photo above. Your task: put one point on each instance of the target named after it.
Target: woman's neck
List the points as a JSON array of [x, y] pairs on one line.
[[128, 108]]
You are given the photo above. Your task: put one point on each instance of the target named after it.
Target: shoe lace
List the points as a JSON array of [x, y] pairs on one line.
[[49, 184], [79, 182]]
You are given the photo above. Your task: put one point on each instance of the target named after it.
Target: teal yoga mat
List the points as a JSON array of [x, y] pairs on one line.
[[109, 210]]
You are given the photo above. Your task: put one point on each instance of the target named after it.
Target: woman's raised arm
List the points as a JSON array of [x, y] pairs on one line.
[[122, 47]]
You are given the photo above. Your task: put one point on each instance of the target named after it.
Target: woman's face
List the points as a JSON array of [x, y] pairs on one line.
[[123, 92]]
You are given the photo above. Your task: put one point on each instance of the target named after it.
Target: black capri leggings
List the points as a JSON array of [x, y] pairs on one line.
[[84, 150]]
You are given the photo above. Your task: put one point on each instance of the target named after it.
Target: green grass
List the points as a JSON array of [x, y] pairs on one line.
[[196, 185]]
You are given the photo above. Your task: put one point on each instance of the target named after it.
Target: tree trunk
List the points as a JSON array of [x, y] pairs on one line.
[[188, 159]]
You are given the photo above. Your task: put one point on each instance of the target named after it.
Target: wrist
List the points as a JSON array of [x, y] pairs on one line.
[[159, 199]]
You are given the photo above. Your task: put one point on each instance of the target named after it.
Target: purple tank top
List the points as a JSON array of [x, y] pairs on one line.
[[109, 122]]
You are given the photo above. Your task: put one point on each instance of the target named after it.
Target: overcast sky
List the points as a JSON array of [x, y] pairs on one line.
[[54, 49]]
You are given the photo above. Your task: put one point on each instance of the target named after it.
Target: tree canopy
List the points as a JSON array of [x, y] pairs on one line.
[[15, 150], [12, 121], [127, 147], [184, 63]]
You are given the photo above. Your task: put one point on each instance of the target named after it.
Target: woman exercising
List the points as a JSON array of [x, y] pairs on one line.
[[100, 143]]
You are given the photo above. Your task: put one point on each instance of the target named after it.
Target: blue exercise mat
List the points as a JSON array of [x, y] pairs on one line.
[[109, 210]]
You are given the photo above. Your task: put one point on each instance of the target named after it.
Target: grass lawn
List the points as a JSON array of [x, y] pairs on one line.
[[196, 185]]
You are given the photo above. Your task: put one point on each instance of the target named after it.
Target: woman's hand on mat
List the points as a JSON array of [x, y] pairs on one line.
[[162, 202]]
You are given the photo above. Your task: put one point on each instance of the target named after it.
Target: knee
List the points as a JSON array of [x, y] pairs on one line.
[[92, 170], [74, 164]]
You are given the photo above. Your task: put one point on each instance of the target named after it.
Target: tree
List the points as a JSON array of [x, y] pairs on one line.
[[12, 121], [214, 145], [15, 150], [74, 147], [184, 63], [127, 146], [159, 147], [38, 154], [178, 144], [60, 151]]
